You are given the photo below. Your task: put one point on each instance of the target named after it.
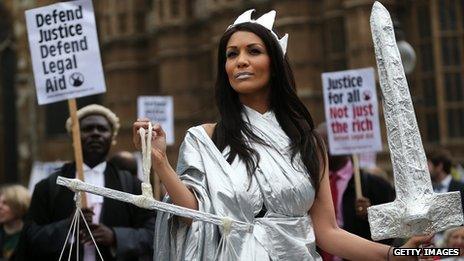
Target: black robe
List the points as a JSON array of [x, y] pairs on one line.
[[49, 219], [377, 190]]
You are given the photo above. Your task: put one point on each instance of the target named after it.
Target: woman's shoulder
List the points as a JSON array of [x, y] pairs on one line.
[[198, 130], [209, 128]]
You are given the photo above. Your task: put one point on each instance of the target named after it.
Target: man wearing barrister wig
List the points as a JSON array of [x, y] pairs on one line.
[[261, 163], [121, 231]]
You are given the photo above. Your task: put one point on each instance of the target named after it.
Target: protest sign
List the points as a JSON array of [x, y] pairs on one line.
[[64, 51], [66, 60], [41, 170], [158, 109], [351, 111], [368, 160]]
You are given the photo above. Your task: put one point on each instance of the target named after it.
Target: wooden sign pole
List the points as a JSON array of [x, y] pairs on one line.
[[357, 176], [76, 135]]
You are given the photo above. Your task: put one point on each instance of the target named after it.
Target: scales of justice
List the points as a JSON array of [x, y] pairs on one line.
[[417, 210]]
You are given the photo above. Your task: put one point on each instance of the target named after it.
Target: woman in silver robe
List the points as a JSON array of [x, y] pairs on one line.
[[262, 163]]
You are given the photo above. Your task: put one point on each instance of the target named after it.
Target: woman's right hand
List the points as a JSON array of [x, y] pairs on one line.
[[139, 123], [158, 140]]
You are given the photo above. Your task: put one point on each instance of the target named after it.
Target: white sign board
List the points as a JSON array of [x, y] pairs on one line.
[[351, 111], [64, 51], [367, 160], [138, 158], [41, 170], [158, 109]]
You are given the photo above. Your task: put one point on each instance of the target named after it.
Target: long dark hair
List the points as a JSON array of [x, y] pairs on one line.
[[290, 112]]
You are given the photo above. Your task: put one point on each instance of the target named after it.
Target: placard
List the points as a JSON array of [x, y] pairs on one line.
[[351, 111], [64, 51], [41, 170], [158, 109]]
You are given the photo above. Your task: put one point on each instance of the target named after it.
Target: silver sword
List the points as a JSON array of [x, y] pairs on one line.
[[417, 209]]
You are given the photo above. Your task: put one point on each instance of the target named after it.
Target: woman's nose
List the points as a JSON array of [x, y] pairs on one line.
[[242, 61]]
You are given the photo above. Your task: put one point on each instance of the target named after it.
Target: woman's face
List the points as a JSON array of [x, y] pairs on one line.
[[247, 64], [6, 214], [456, 239]]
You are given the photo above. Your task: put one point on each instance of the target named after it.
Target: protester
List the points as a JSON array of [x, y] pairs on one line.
[[454, 238], [262, 163], [121, 231], [440, 162], [14, 202], [457, 171]]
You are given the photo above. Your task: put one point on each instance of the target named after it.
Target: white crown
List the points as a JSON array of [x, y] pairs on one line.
[[266, 20]]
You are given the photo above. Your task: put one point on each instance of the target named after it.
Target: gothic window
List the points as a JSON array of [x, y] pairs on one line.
[[139, 22], [161, 9], [190, 8], [335, 47], [451, 41], [122, 23], [440, 48], [427, 110], [175, 8]]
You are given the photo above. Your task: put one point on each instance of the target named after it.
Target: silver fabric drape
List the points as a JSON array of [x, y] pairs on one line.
[[223, 189]]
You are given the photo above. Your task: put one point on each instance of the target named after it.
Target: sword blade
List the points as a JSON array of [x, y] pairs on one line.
[[416, 209], [412, 178]]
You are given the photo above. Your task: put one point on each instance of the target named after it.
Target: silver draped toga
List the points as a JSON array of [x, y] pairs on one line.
[[284, 233]]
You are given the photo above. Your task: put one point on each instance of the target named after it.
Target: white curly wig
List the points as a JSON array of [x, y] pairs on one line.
[[95, 109]]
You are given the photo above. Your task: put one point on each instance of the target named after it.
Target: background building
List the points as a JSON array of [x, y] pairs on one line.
[[168, 47]]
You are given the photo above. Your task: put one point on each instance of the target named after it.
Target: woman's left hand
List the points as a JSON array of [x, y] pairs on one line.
[[415, 242]]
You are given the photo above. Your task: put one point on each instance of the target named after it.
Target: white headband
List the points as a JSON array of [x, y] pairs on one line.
[[267, 21]]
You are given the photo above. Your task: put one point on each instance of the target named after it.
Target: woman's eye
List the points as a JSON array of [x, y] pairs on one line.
[[255, 51], [231, 54]]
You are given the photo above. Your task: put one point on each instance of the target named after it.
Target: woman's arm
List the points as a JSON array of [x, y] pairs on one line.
[[335, 240], [179, 193], [339, 242]]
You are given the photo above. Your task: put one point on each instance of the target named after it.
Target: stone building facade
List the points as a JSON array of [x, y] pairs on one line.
[[168, 47]]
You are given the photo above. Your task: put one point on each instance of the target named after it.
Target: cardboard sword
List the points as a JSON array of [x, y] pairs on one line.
[[417, 210]]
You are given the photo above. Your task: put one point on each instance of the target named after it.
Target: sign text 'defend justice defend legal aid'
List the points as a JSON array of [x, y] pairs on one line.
[[64, 51]]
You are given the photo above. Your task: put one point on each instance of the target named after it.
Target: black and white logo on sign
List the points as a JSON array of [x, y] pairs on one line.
[[76, 79]]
